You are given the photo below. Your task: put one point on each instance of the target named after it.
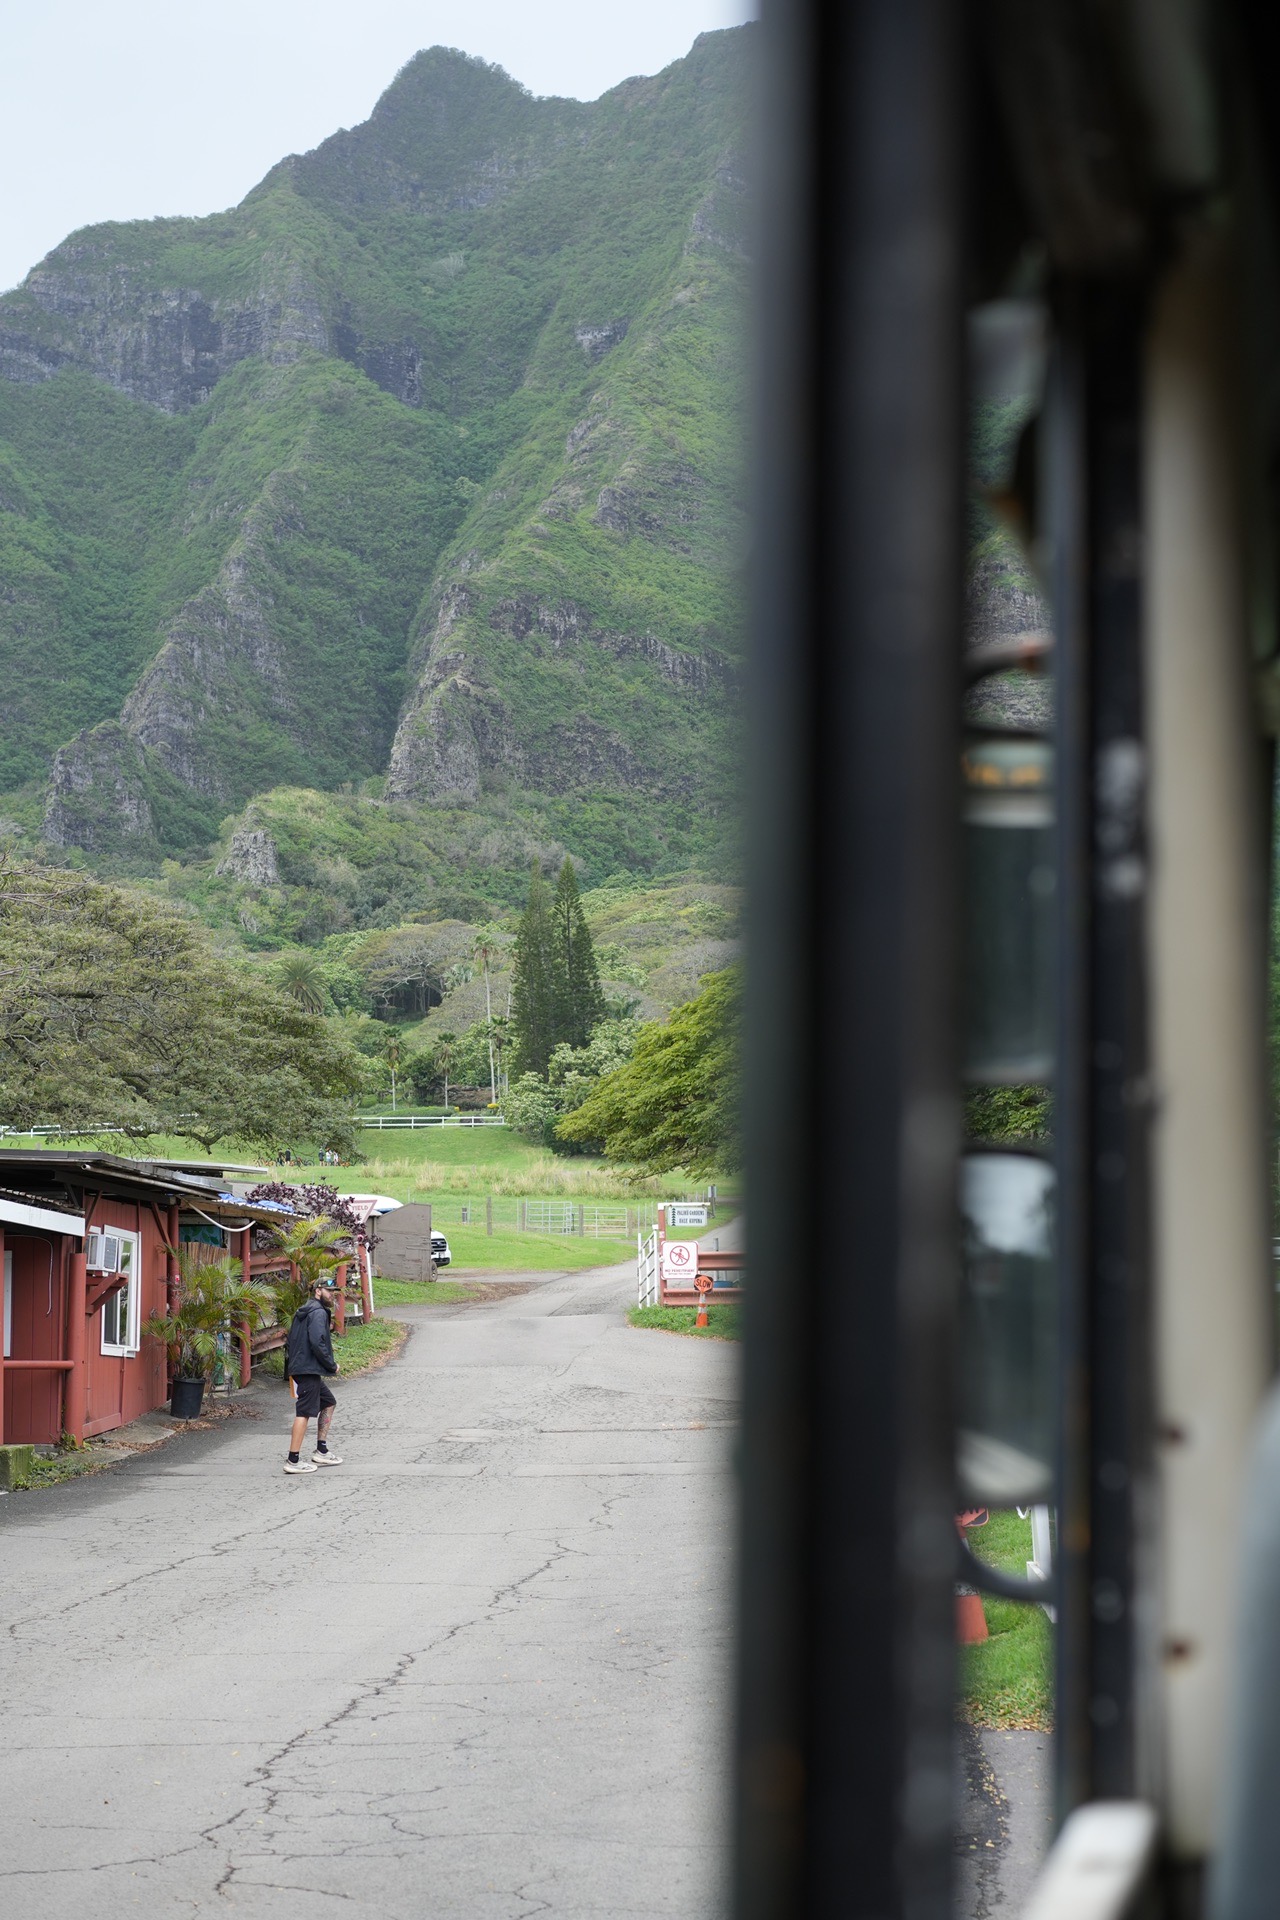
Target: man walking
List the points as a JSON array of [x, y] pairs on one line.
[[308, 1358]]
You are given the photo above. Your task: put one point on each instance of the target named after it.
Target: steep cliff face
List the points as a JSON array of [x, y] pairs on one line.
[[98, 792], [423, 460], [167, 345]]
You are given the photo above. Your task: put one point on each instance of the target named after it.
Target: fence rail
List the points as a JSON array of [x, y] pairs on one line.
[[380, 1122], [586, 1218]]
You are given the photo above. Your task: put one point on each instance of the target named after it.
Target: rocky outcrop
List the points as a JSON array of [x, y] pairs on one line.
[[219, 652], [701, 670], [1002, 605], [393, 365], [436, 754], [622, 509], [457, 730], [251, 858], [436, 750], [26, 358], [220, 638], [597, 339], [720, 219], [1002, 600], [579, 754], [168, 345], [97, 795]]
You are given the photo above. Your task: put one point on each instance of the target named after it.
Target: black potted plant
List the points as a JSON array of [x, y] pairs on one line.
[[212, 1300]]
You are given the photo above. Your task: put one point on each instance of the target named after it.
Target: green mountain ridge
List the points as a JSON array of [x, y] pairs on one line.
[[415, 479]]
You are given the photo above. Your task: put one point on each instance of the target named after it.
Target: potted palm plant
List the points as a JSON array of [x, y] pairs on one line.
[[212, 1299], [315, 1247]]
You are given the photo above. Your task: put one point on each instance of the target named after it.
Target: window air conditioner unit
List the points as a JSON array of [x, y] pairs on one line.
[[102, 1252]]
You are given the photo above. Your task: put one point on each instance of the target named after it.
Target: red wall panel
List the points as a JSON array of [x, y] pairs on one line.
[[33, 1401]]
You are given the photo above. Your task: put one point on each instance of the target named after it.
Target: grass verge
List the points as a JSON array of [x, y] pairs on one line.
[[1007, 1680], [68, 1464], [420, 1293], [120, 1444], [449, 1293], [360, 1348], [724, 1322]]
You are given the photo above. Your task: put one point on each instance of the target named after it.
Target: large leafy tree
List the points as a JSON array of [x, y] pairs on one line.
[[534, 1105], [117, 1013], [675, 1102], [577, 998], [533, 982], [404, 969]]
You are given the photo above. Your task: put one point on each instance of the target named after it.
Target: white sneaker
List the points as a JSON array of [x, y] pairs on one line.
[[327, 1459], [299, 1466]]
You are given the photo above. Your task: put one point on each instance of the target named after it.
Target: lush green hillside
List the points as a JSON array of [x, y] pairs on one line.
[[420, 467]]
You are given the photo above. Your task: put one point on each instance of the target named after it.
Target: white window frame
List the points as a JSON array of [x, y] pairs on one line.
[[6, 1305], [131, 1267]]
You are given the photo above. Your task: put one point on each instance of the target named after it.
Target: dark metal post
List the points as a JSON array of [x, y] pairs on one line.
[[847, 1661], [1117, 1053], [1102, 1098]]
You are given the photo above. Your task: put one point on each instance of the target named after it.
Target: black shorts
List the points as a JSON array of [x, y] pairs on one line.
[[313, 1394]]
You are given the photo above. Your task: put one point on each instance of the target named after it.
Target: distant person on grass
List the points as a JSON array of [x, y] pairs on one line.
[[309, 1357]]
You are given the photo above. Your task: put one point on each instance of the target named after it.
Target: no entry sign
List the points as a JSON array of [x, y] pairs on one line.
[[679, 1262]]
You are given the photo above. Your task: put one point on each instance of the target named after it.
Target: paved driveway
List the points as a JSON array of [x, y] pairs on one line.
[[481, 1670]]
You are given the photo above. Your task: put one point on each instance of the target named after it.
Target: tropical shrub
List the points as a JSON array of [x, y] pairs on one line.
[[675, 1102], [213, 1300]]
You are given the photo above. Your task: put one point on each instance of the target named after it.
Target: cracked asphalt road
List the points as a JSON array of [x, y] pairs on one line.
[[481, 1670]]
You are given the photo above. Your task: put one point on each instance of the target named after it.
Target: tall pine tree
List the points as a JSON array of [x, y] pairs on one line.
[[533, 995], [577, 999]]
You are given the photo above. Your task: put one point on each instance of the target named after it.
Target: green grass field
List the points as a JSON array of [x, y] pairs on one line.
[[508, 1251], [467, 1162], [413, 1165], [1007, 1680]]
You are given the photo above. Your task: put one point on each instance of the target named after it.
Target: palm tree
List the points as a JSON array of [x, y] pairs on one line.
[[302, 977], [394, 1051], [486, 950], [446, 1053], [499, 1036]]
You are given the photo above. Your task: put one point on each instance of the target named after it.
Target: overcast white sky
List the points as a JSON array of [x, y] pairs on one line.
[[121, 109]]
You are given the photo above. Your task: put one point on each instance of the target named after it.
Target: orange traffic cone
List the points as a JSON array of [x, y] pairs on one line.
[[971, 1621]]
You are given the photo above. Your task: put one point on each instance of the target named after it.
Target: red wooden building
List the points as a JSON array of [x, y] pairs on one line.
[[84, 1237]]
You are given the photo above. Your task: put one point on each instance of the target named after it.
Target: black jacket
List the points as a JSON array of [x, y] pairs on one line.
[[310, 1348]]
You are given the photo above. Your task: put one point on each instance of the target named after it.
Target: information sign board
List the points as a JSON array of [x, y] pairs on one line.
[[686, 1213], [679, 1262]]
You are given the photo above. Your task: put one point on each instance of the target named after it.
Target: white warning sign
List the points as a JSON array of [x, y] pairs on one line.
[[679, 1261]]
